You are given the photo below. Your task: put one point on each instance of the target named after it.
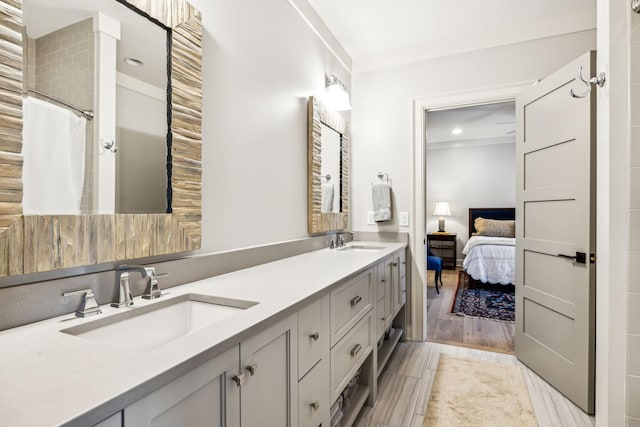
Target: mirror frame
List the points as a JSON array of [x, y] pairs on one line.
[[325, 222], [33, 244]]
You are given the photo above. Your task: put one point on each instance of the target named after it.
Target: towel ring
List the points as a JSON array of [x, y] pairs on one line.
[[381, 175]]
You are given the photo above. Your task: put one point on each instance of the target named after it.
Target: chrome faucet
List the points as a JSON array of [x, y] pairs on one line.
[[123, 296]]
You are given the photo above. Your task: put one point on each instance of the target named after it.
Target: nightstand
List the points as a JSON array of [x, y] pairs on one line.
[[445, 246]]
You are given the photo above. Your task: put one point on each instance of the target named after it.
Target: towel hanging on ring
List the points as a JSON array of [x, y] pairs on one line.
[[381, 194]]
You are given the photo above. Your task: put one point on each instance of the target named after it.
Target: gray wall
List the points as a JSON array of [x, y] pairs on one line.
[[382, 114], [469, 177], [261, 63]]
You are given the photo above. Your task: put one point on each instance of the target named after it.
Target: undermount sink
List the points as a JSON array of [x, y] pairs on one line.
[[149, 327], [362, 248]]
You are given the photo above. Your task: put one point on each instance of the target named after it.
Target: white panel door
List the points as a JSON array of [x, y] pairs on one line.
[[555, 283]]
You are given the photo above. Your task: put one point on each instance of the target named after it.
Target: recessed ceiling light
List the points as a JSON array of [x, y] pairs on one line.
[[134, 62], [456, 131]]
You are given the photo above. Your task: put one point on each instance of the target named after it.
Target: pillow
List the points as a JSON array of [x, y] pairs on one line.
[[495, 228]]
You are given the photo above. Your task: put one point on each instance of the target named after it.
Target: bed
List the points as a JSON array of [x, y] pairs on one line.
[[490, 253]]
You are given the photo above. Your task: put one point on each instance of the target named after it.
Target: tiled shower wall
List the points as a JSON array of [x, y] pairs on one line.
[[633, 286], [65, 68]]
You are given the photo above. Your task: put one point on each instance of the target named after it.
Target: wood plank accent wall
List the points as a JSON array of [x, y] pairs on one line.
[[31, 244], [325, 222]]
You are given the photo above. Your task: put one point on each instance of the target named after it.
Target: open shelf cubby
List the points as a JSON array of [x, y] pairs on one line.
[[357, 401], [384, 352]]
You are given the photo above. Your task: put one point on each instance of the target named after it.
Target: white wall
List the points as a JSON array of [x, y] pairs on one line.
[[261, 62], [382, 131], [469, 177]]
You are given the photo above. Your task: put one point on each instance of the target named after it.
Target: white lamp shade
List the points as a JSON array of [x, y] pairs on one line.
[[338, 98], [442, 209]]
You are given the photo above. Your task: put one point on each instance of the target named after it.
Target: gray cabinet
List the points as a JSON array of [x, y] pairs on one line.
[[313, 363], [113, 421], [269, 364], [261, 390], [204, 396]]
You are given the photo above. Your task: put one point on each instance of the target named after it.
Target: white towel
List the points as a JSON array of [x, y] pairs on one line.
[[327, 198], [381, 193], [54, 149]]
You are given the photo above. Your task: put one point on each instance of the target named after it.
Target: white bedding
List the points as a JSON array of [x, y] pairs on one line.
[[491, 259]]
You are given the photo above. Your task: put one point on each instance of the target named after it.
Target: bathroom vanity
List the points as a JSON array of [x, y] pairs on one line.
[[275, 344]]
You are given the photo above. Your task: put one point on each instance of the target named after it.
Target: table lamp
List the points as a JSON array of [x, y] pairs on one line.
[[441, 210]]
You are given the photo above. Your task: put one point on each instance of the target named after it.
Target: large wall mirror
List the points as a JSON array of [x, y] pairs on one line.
[[328, 169], [100, 132]]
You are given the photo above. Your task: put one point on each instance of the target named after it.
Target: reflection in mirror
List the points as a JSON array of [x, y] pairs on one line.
[[34, 244], [74, 56], [330, 169], [329, 149]]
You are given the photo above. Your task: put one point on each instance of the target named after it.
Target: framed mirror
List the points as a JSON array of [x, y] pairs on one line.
[[328, 164], [39, 243]]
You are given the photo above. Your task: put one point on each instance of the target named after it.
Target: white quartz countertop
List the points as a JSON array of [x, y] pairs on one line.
[[52, 378]]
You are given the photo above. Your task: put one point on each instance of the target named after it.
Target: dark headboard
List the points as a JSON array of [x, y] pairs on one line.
[[489, 213]]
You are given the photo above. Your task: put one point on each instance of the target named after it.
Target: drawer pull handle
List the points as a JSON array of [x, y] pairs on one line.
[[383, 280], [355, 350], [315, 405], [252, 369], [356, 300], [239, 379], [315, 336], [395, 264]]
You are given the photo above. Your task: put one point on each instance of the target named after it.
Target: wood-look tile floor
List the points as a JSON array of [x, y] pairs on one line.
[[446, 328], [405, 387]]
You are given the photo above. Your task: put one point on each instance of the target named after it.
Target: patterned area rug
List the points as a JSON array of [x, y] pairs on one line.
[[477, 299]]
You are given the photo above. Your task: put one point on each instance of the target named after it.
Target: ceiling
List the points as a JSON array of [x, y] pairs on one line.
[[140, 38], [382, 33], [478, 125]]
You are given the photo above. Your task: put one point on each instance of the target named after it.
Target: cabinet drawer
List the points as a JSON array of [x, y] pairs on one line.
[[349, 354], [350, 302], [312, 338], [313, 397]]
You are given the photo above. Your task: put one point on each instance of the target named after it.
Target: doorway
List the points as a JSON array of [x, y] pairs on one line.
[[470, 165]]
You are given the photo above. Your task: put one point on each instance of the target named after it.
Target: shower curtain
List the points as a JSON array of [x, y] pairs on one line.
[[54, 155]]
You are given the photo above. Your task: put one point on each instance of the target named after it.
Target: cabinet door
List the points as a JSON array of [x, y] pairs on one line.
[[205, 396], [269, 364], [397, 281], [313, 397], [390, 283], [313, 336], [113, 421]]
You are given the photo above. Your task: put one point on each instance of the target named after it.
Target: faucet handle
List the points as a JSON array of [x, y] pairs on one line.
[[153, 289], [88, 305]]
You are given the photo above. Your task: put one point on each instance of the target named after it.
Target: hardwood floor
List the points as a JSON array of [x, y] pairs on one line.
[[446, 328], [405, 388]]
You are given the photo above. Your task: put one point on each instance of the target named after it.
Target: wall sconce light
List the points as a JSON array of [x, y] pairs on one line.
[[337, 96], [441, 210]]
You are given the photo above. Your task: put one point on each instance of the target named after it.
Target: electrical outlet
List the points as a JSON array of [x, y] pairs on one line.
[[370, 220], [404, 219]]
